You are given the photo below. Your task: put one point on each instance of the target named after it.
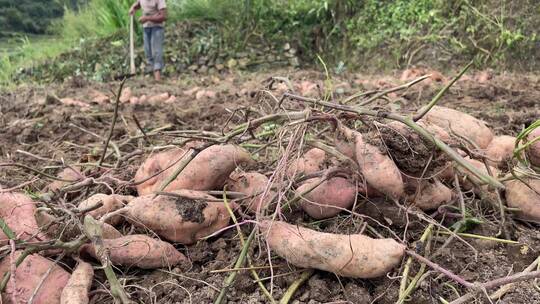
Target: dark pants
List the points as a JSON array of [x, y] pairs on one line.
[[153, 47]]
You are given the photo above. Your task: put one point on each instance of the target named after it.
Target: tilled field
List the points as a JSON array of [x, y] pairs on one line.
[[285, 146]]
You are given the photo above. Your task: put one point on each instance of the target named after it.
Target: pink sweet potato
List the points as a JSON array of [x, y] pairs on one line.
[[110, 202], [17, 211], [69, 174], [471, 179], [28, 277], [500, 150], [519, 195], [179, 219], [78, 286], [159, 98], [534, 150], [311, 162], [327, 199], [209, 170], [461, 123], [253, 185], [377, 168], [431, 194], [355, 255], [139, 250]]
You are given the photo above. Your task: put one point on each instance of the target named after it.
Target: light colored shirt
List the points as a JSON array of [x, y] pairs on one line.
[[150, 8]]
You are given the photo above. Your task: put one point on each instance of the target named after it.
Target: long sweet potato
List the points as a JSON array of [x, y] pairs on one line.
[[110, 202], [139, 250], [209, 170], [519, 195], [28, 277], [327, 199], [377, 168], [17, 211], [253, 185], [461, 123], [78, 286], [500, 150], [355, 255], [534, 150], [179, 219]]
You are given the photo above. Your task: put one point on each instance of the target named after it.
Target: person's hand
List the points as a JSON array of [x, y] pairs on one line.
[[143, 19], [132, 11]]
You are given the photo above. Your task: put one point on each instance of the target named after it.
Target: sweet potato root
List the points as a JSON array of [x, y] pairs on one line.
[[110, 202], [500, 150], [354, 255], [253, 185], [311, 162], [78, 286], [327, 199], [534, 150], [209, 170], [28, 277], [461, 123], [519, 195], [17, 211], [139, 250], [182, 219], [431, 194], [70, 174], [378, 169]]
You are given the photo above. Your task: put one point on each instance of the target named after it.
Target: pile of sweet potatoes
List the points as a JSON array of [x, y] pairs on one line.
[[180, 200]]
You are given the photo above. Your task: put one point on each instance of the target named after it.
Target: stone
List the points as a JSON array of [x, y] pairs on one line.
[[193, 68], [202, 70], [232, 63], [243, 62], [286, 46], [292, 51], [295, 62], [220, 67]]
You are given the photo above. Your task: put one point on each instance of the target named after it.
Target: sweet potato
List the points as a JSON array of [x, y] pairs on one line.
[[56, 228], [69, 174], [311, 162], [28, 277], [519, 195], [500, 150], [78, 286], [378, 169], [431, 194], [179, 219], [110, 202], [468, 183], [159, 98], [126, 95], [461, 123], [327, 199], [533, 151], [209, 170], [253, 185], [140, 251], [355, 255], [17, 211]]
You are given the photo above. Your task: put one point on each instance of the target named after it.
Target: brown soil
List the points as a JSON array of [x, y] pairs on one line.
[[45, 136]]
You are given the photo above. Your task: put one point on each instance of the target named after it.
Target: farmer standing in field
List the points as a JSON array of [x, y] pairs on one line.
[[154, 14]]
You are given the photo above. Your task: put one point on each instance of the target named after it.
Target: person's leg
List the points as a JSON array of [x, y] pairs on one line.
[[147, 38], [158, 36]]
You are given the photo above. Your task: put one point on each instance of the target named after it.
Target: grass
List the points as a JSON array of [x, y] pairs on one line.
[[353, 33]]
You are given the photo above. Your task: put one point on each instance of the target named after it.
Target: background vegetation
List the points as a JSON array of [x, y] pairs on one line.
[[355, 34]]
